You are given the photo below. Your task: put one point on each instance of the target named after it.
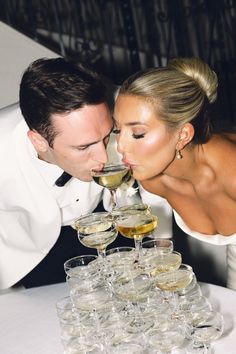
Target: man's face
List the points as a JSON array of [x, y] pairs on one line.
[[80, 145]]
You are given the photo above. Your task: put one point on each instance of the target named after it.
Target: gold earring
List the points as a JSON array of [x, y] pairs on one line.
[[179, 156]]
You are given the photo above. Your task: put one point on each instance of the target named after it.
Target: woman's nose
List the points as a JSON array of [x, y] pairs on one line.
[[120, 144]]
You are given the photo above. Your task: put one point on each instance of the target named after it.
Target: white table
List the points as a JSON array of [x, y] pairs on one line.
[[29, 324]]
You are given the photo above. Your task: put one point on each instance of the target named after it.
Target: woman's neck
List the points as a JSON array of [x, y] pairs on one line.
[[193, 158]]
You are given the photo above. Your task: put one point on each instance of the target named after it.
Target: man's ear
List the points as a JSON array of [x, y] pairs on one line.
[[39, 142], [186, 135]]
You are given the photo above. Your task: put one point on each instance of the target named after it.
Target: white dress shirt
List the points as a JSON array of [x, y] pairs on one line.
[[32, 209]]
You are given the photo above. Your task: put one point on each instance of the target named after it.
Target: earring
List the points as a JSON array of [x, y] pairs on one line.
[[179, 156]]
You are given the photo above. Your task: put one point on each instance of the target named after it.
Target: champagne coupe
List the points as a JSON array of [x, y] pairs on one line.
[[156, 263], [119, 257], [79, 266], [167, 337], [140, 208], [96, 230], [132, 292], [111, 177], [205, 331], [136, 225], [173, 281], [157, 246]]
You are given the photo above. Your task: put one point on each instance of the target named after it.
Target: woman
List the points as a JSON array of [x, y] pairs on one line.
[[164, 134]]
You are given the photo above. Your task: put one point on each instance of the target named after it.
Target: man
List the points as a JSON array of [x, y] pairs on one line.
[[66, 127]]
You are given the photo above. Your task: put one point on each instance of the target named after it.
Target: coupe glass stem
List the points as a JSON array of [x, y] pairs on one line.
[[103, 262], [101, 253], [113, 198], [138, 244], [201, 348]]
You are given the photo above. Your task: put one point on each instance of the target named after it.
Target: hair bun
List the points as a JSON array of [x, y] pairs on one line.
[[200, 72]]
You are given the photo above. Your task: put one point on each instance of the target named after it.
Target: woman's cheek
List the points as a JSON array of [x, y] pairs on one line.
[[150, 146]]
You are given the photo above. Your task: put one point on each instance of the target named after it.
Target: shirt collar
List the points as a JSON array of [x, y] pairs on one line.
[[48, 171]]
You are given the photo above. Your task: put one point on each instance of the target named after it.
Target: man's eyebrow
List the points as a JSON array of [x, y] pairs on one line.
[[93, 142]]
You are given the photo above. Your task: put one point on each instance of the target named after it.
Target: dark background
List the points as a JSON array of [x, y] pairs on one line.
[[120, 37]]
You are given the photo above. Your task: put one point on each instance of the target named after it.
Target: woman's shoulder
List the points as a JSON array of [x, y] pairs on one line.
[[221, 144], [229, 136], [221, 157]]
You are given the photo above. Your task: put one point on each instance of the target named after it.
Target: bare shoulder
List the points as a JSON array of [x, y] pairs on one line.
[[222, 147], [221, 156], [231, 137]]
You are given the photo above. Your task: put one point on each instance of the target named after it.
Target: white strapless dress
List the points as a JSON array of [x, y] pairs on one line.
[[217, 239]]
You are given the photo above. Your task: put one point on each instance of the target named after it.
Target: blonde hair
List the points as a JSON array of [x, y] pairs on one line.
[[179, 93]]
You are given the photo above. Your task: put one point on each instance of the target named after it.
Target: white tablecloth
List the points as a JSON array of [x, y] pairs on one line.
[[29, 324]]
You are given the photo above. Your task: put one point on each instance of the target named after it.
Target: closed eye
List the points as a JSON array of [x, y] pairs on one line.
[[81, 148], [138, 136]]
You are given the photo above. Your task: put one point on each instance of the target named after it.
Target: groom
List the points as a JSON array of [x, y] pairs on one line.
[[63, 124]]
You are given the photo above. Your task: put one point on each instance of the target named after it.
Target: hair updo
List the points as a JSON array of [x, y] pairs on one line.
[[180, 93]]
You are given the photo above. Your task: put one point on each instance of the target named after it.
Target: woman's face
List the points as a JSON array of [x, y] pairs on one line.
[[145, 142]]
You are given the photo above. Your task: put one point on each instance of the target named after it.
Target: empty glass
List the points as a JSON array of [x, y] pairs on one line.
[[65, 309], [77, 266], [204, 331], [140, 208], [163, 339], [160, 245]]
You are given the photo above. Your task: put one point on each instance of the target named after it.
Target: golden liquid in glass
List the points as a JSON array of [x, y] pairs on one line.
[[137, 226], [174, 281], [112, 177], [97, 235]]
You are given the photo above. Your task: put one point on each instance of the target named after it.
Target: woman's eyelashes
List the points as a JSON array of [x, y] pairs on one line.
[[138, 136], [134, 135]]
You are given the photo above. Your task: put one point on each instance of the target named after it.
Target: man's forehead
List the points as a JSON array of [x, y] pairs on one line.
[[84, 126]]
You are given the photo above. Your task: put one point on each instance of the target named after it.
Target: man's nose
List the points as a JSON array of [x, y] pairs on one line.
[[101, 153]]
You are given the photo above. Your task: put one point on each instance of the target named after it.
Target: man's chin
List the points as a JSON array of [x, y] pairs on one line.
[[84, 178]]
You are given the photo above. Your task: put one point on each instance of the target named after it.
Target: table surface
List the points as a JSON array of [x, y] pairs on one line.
[[29, 324]]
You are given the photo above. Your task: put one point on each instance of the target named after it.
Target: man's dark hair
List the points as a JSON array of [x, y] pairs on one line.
[[52, 86]]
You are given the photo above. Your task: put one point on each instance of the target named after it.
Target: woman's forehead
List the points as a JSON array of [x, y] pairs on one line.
[[134, 110]]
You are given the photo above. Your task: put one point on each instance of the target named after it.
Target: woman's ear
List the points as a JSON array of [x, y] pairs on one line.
[[39, 142], [186, 135]]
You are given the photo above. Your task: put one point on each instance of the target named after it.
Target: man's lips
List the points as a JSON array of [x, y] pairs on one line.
[[97, 169]]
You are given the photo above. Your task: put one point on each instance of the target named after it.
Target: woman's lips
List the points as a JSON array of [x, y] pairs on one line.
[[128, 163]]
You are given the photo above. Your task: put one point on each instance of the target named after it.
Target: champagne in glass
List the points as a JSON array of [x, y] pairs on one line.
[[136, 226], [96, 230], [156, 263], [111, 177], [173, 281]]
